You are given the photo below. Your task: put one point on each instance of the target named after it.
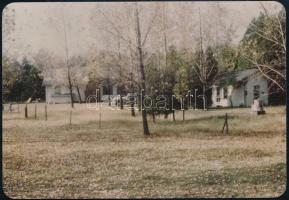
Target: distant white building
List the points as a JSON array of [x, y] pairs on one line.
[[57, 93], [240, 88]]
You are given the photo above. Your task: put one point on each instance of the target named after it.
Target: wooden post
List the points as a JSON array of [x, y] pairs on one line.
[[132, 108], [226, 124], [121, 102], [35, 111], [10, 107], [99, 122], [26, 111], [183, 114], [139, 102], [45, 112], [174, 118], [70, 115], [98, 97]]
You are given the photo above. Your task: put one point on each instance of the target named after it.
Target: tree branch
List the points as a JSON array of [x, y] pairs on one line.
[[116, 29], [150, 26]]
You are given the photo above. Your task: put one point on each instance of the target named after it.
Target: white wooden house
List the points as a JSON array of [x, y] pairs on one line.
[[240, 88]]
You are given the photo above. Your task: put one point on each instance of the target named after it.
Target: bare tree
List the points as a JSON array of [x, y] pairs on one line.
[[45, 61], [79, 73], [136, 40], [61, 26], [140, 43]]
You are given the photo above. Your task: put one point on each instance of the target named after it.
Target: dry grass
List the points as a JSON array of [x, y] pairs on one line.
[[52, 159]]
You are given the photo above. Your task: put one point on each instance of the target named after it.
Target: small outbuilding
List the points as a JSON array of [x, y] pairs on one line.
[[59, 93]]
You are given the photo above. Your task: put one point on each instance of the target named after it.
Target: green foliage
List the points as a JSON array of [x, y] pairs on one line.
[[169, 73], [182, 84], [264, 45], [153, 77], [10, 76], [21, 81], [206, 66], [229, 58], [257, 42], [168, 78]]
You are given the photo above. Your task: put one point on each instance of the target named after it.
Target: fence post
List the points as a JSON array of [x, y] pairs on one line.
[[26, 111], [121, 102], [10, 107], [46, 112], [35, 111], [99, 122], [226, 124], [70, 113]]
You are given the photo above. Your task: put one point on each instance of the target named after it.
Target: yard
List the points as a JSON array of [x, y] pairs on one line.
[[191, 158]]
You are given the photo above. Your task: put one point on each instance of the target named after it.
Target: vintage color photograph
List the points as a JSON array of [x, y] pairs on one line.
[[144, 99]]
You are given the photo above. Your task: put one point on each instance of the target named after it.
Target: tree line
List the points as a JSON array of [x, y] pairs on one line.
[[140, 57]]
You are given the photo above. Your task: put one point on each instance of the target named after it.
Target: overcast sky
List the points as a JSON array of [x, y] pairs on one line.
[[32, 32]]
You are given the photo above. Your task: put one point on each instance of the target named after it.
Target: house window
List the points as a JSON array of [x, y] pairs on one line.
[[256, 91], [225, 93], [218, 94], [218, 91]]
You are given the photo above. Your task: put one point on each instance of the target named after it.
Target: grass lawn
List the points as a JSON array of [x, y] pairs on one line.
[[191, 158]]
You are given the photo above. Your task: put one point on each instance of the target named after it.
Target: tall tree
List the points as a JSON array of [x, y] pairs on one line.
[[264, 46], [205, 65], [140, 43], [136, 39], [79, 73], [28, 83], [11, 74], [182, 86], [63, 29]]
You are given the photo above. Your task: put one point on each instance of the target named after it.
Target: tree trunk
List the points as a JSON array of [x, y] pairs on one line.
[[132, 108], [174, 118], [139, 102], [109, 100], [68, 69], [79, 96], [143, 78], [132, 98], [204, 97], [70, 88]]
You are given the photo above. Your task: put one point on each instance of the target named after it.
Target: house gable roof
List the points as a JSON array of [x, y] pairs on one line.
[[236, 77]]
